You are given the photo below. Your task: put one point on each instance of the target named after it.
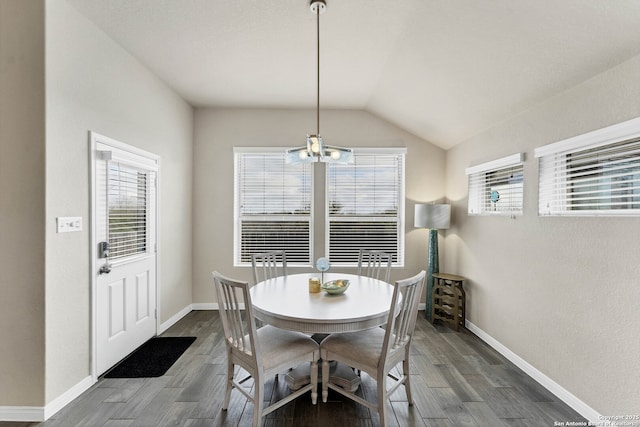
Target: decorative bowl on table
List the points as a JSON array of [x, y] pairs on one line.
[[335, 287]]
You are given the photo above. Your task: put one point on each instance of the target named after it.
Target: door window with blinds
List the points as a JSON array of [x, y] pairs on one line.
[[593, 174], [273, 205], [497, 187], [365, 206], [128, 194]]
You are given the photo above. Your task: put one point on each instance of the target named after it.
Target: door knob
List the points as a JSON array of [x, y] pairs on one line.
[[105, 269]]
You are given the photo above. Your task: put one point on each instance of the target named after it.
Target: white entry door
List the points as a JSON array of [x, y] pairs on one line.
[[125, 255]]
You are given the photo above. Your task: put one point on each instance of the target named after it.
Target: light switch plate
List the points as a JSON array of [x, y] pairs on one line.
[[68, 224]]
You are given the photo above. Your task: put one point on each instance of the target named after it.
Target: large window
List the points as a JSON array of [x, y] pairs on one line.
[[496, 187], [273, 205], [593, 174], [365, 206]]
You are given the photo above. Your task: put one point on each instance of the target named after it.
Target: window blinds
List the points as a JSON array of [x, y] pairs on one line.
[[273, 206], [127, 195], [365, 205], [600, 180], [496, 188]]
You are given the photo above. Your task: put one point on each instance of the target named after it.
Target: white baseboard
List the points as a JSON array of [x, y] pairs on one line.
[[174, 319], [43, 413], [204, 306], [66, 398], [563, 394], [22, 413], [188, 309]]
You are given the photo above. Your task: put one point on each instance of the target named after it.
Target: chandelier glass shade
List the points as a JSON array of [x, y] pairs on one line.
[[317, 151]]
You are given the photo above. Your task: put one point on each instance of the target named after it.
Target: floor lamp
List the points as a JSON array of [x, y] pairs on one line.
[[434, 217]]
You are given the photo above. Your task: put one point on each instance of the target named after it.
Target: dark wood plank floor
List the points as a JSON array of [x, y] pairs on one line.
[[457, 380]]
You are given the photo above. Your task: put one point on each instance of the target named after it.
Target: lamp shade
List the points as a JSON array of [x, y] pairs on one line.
[[435, 217]]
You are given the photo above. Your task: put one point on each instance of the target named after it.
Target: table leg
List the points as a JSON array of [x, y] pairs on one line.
[[338, 373]]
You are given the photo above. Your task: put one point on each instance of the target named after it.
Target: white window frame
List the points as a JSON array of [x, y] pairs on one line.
[[553, 161], [400, 242], [477, 193], [237, 261], [133, 158]]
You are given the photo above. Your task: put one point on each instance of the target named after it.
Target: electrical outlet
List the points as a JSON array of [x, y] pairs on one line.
[[68, 224]]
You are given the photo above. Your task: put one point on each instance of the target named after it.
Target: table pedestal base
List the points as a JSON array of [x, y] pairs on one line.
[[339, 374]]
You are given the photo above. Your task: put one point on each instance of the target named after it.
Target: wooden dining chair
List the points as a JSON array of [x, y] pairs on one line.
[[377, 351], [267, 265], [263, 352], [376, 264]]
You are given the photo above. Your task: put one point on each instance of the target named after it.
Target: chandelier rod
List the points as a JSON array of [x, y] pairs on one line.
[[318, 71]]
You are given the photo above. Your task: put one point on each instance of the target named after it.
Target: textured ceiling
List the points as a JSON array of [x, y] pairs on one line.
[[444, 70]]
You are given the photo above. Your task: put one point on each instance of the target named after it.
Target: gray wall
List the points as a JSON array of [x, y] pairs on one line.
[[22, 204], [562, 293], [217, 131], [91, 84]]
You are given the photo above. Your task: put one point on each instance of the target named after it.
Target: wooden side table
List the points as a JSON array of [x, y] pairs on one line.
[[448, 300]]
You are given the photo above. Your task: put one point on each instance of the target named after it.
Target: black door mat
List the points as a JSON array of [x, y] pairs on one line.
[[151, 359]]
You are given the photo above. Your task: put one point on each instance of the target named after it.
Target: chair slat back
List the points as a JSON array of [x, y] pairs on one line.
[[376, 264], [267, 265], [239, 328], [403, 313]]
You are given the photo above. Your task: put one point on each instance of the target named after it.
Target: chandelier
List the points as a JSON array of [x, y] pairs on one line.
[[316, 150]]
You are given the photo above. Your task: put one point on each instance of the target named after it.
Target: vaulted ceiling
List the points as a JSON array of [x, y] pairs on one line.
[[444, 70]]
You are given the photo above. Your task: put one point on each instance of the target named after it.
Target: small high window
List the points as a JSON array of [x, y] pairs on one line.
[[592, 174], [496, 187]]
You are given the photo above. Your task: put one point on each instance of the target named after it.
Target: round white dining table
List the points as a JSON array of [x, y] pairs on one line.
[[285, 302]]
